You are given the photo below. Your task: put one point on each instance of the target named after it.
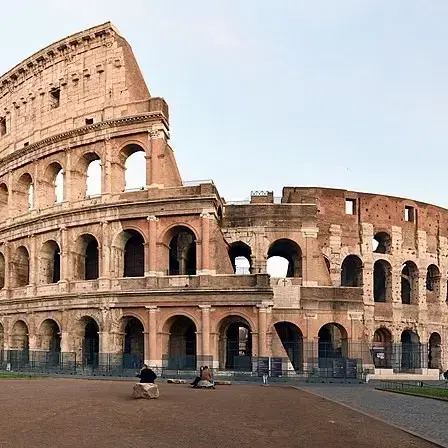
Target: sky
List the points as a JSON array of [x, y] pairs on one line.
[[264, 94]]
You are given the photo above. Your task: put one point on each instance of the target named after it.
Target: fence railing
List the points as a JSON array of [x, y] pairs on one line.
[[301, 359]]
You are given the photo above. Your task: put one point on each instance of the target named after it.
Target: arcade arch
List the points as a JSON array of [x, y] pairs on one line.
[[410, 351], [382, 348], [235, 344], [284, 259], [4, 196], [86, 258], [50, 262], [181, 345], [435, 351], [332, 344], [181, 251], [382, 281], [133, 157], [21, 267], [292, 340], [24, 194], [240, 255], [351, 271], [409, 283]]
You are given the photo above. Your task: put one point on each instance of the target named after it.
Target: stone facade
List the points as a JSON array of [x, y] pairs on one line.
[[152, 272]]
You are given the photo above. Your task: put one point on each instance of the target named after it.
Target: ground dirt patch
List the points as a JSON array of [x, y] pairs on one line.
[[93, 413]]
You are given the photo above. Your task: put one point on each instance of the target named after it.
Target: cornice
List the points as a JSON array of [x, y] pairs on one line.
[[116, 122], [45, 57]]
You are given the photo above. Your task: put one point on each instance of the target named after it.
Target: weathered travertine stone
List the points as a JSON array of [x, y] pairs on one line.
[[145, 390]]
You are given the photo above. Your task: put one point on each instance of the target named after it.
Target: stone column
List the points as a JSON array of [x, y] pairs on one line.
[[33, 267], [262, 328], [205, 243], [106, 172], [206, 355], [152, 339], [65, 260], [151, 253], [8, 262], [308, 261], [105, 257]]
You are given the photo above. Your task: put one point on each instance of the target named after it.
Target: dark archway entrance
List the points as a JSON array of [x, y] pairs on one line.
[[382, 349], [182, 252], [235, 344], [382, 281], [134, 344], [351, 272], [435, 351], [18, 354], [182, 344], [292, 341], [134, 255], [50, 341], [91, 343], [410, 351], [332, 345]]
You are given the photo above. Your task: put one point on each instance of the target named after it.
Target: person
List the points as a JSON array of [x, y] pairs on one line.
[[207, 376], [146, 375], [198, 378]]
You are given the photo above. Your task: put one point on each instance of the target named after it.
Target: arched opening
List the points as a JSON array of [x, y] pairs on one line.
[[91, 342], [50, 336], [19, 345], [432, 284], [21, 267], [182, 252], [409, 283], [292, 341], [24, 194], [50, 263], [240, 255], [410, 351], [382, 348], [351, 271], [382, 281], [93, 178], [382, 243], [182, 344], [235, 344], [134, 167], [435, 352], [134, 344], [86, 258], [134, 254], [3, 202], [286, 253], [53, 184], [332, 344], [2, 271]]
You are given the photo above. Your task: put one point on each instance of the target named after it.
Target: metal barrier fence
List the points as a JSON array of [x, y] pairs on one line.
[[302, 360]]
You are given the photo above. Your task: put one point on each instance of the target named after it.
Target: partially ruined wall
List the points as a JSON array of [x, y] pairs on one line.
[[103, 111]]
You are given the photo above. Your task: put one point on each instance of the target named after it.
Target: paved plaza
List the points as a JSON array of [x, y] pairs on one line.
[[424, 416], [86, 413]]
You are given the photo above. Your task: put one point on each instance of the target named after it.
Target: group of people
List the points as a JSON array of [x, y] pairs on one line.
[[148, 375], [205, 374]]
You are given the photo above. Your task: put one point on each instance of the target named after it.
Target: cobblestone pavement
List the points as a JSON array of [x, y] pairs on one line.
[[67, 413], [423, 416]]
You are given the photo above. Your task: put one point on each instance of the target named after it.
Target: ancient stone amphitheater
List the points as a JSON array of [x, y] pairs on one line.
[[103, 275]]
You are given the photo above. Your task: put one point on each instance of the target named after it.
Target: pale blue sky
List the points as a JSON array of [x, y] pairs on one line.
[[342, 93]]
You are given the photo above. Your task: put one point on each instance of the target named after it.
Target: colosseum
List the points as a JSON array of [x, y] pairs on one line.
[[171, 274]]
